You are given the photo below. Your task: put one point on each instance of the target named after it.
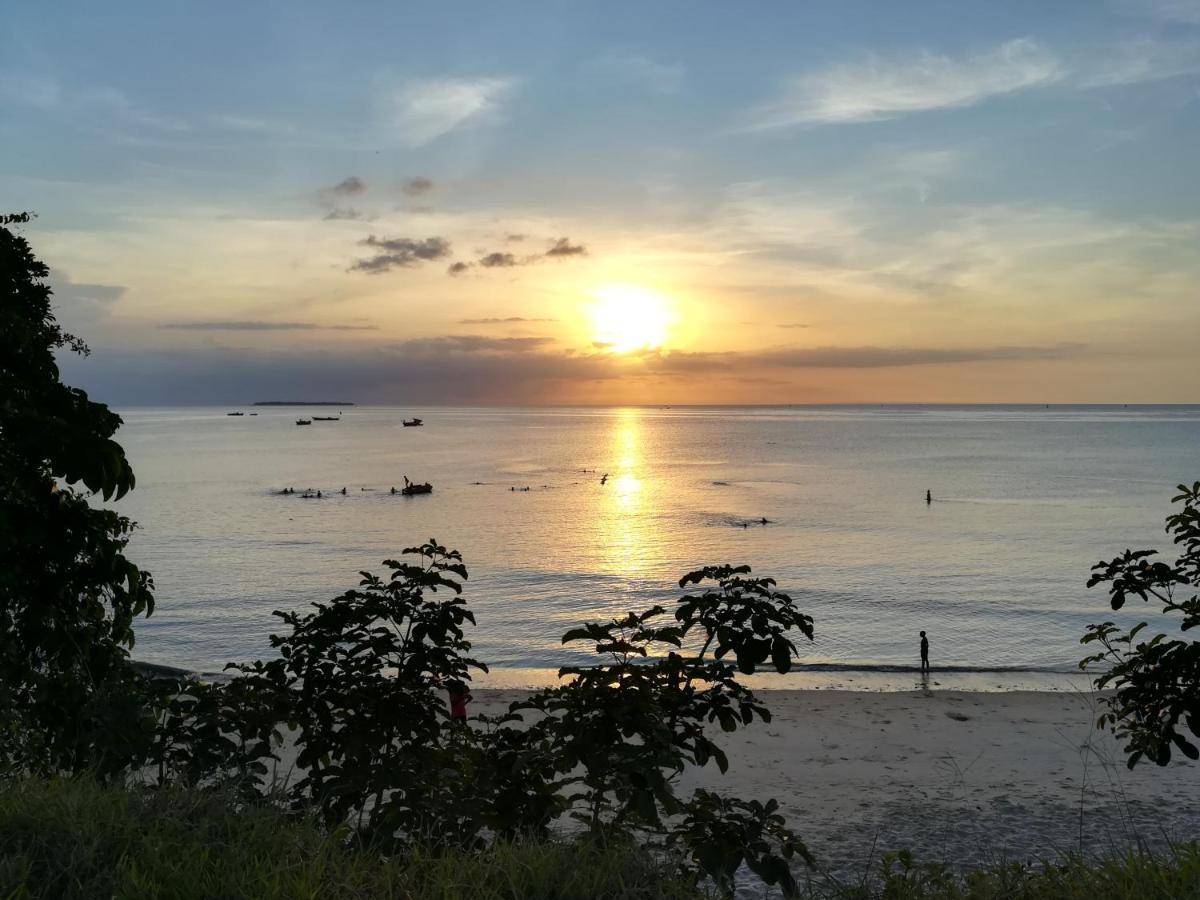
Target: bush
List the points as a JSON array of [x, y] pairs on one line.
[[1155, 703]]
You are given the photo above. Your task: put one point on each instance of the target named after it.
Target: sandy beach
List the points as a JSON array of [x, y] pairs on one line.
[[967, 777]]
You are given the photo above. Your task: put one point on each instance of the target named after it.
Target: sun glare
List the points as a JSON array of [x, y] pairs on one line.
[[626, 317]]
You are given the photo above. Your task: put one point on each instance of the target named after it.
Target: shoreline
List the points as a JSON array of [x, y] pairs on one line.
[[968, 777], [953, 776], [821, 677]]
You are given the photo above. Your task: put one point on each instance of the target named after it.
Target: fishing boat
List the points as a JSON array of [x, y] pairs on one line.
[[411, 487], [235, 414], [327, 418], [411, 423], [304, 421]]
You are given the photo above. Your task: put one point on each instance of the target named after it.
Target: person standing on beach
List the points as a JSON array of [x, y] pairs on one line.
[[924, 653], [459, 698]]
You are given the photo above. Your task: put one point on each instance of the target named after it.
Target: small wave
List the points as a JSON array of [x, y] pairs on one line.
[[884, 667]]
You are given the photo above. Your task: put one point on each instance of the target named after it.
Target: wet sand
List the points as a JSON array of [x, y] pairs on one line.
[[960, 777]]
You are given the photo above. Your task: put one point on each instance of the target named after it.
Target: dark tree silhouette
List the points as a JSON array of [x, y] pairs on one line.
[[68, 595]]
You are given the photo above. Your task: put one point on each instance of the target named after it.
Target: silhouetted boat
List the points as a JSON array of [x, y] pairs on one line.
[[327, 418], [304, 421], [235, 414], [410, 423], [411, 487]]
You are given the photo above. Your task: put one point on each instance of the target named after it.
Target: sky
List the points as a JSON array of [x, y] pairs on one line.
[[614, 203]]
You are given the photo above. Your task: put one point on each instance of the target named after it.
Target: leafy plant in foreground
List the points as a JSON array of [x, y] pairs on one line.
[[621, 732], [365, 676], [1155, 682], [68, 593]]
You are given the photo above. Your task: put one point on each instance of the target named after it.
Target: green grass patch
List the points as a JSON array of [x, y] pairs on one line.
[[76, 839]]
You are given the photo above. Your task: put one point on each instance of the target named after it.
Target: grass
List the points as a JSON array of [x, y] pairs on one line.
[[1135, 875], [76, 839]]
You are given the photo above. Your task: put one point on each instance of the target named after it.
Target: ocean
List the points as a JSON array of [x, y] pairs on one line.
[[1025, 500]]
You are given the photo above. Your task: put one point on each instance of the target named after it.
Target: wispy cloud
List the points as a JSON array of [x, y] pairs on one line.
[[640, 71], [419, 112], [350, 186], [415, 187], [1140, 61], [1186, 12], [508, 320], [254, 325], [497, 260], [563, 247], [878, 88], [347, 213], [400, 253]]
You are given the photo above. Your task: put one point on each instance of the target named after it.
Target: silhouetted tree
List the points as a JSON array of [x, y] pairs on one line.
[[1156, 682], [68, 595]]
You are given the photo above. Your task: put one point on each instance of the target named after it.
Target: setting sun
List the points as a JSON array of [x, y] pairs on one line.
[[626, 317]]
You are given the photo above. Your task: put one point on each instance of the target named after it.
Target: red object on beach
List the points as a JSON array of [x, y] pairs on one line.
[[458, 705]]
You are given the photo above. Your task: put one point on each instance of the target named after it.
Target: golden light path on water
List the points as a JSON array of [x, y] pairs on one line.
[[625, 535]]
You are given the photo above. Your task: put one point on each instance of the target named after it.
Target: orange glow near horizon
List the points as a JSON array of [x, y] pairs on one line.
[[626, 317]]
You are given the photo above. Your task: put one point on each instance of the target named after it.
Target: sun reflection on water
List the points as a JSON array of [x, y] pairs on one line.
[[623, 526]]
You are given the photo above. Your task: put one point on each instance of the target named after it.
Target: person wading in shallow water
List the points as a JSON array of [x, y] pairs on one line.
[[924, 653]]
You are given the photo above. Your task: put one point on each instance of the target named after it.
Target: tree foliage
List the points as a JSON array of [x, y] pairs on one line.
[[68, 594], [1155, 704]]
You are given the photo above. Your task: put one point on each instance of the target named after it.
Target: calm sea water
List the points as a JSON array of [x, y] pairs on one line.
[[1025, 500]]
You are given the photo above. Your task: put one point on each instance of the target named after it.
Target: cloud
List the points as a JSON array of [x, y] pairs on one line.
[[793, 325], [420, 112], [563, 247], [79, 304], [346, 213], [415, 187], [1141, 61], [641, 71], [498, 321], [467, 368], [349, 187], [515, 238], [471, 343], [254, 325], [71, 292], [497, 260], [878, 88], [400, 252], [892, 357], [1186, 12]]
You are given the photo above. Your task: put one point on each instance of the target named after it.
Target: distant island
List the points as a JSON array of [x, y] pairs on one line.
[[303, 403]]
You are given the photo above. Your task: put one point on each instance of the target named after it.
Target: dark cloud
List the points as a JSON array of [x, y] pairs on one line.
[[791, 325], [415, 187], [348, 187], [71, 292], [497, 260], [472, 343], [400, 252], [563, 247], [850, 357], [888, 357], [468, 368], [348, 213], [253, 325], [503, 260], [499, 321]]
